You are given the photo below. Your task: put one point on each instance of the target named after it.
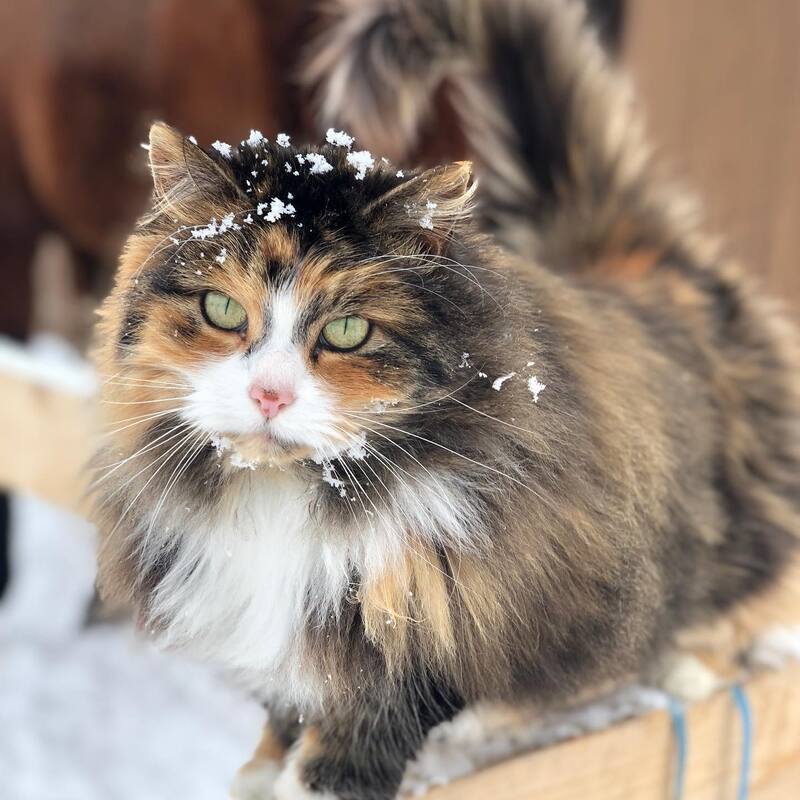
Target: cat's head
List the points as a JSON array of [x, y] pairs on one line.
[[276, 298]]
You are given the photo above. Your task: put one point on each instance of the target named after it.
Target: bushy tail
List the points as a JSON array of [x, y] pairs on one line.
[[560, 154]]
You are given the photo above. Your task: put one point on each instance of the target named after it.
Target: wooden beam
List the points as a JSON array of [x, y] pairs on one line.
[[45, 442], [634, 760]]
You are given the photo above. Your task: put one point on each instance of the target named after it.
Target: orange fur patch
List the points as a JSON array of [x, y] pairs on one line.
[[630, 266], [309, 745], [278, 244], [356, 389], [270, 748], [418, 598]]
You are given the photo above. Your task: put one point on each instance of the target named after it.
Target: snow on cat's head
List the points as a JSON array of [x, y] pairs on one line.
[[276, 298]]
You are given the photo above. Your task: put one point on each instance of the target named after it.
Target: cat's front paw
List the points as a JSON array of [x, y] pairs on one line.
[[290, 785], [256, 780], [686, 677]]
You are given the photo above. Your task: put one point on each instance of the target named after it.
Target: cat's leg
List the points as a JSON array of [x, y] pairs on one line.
[[256, 779], [360, 752], [706, 657]]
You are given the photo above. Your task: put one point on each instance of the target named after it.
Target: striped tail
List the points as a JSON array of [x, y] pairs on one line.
[[561, 159]]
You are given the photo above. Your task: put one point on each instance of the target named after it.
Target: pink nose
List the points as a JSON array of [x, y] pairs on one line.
[[270, 402]]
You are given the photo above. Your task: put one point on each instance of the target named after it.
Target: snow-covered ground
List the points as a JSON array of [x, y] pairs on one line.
[[98, 714]]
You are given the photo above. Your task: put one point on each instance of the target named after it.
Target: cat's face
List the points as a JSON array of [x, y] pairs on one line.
[[276, 299], [282, 347]]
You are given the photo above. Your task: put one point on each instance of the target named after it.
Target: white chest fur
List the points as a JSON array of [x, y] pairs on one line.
[[242, 584], [245, 581]]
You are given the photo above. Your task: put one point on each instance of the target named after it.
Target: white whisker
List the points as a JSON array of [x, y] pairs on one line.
[[456, 453], [167, 436]]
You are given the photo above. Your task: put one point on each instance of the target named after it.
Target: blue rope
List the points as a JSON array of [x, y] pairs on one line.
[[743, 706], [681, 736]]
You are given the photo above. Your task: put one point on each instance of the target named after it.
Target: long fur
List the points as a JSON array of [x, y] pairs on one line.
[[558, 455], [563, 161]]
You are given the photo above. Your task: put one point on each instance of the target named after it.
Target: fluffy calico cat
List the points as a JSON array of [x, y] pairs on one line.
[[383, 443]]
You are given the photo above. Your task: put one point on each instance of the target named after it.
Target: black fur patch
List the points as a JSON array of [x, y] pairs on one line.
[[131, 325]]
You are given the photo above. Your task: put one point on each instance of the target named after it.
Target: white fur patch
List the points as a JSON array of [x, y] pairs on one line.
[[220, 403], [437, 509], [246, 581], [237, 591]]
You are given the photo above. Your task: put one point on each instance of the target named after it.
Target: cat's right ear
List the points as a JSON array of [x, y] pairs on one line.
[[181, 170], [430, 205]]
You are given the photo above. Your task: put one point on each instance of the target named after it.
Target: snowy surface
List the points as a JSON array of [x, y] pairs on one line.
[[97, 714], [49, 362]]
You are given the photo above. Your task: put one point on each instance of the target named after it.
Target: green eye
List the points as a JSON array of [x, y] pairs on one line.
[[223, 311], [345, 333]]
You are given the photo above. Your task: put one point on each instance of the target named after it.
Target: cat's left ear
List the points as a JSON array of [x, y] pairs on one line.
[[181, 171], [431, 204]]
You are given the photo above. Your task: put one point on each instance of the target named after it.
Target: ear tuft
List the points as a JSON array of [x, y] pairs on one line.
[[453, 185]]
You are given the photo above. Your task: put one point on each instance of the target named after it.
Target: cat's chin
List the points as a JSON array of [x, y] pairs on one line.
[[260, 451]]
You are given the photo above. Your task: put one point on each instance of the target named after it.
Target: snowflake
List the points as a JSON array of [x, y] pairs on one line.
[[222, 148], [256, 138], [319, 164], [339, 138], [361, 161], [536, 387]]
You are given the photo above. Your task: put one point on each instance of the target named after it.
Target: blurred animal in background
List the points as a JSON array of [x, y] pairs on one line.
[[608, 17], [81, 83]]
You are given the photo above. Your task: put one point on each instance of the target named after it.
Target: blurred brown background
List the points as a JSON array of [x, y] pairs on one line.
[[720, 81]]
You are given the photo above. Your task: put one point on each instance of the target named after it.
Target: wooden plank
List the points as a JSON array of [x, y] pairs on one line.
[[45, 442], [634, 760]]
